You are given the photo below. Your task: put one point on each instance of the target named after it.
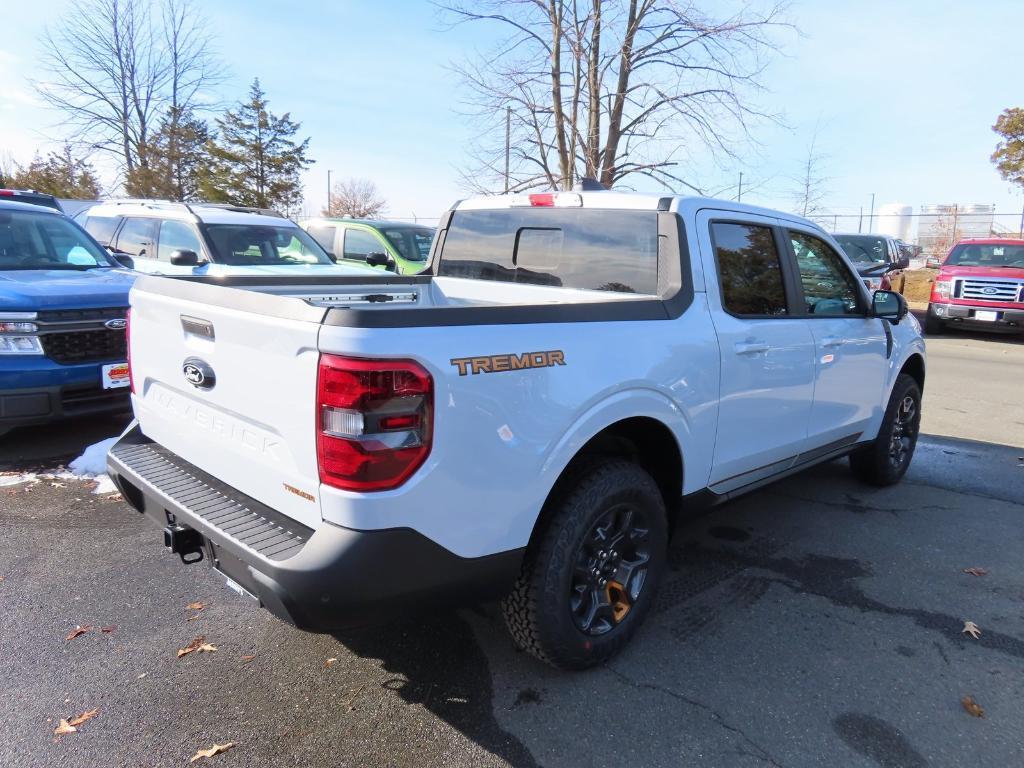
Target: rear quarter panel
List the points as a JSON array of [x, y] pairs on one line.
[[502, 439]]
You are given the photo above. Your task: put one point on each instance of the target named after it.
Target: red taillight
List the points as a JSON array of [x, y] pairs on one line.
[[543, 200], [374, 421], [128, 346]]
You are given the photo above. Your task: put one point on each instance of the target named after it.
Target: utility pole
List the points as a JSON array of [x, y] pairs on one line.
[[1021, 234], [739, 190], [328, 192], [508, 143], [860, 221], [871, 215]]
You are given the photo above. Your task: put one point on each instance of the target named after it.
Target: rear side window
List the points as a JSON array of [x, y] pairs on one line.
[[599, 250], [136, 237], [749, 269], [102, 227]]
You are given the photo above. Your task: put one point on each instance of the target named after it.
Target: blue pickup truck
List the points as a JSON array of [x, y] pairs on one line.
[[63, 304]]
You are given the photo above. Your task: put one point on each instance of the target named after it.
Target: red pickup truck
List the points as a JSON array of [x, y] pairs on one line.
[[980, 284]]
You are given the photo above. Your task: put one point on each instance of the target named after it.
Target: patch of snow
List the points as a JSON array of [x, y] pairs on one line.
[[18, 479], [92, 465]]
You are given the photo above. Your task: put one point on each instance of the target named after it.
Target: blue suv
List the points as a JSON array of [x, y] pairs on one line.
[[63, 305]]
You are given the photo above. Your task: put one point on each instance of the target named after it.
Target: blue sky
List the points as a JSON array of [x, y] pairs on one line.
[[905, 93]]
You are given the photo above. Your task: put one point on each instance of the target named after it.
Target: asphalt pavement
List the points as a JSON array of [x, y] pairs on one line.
[[817, 622]]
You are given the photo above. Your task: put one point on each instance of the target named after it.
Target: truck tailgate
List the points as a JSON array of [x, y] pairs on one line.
[[232, 392]]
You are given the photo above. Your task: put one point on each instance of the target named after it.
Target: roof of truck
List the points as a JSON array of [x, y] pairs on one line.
[[612, 200]]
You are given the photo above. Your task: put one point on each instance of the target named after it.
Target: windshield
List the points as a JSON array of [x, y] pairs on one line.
[[1006, 255], [412, 243], [31, 240], [864, 249], [258, 245]]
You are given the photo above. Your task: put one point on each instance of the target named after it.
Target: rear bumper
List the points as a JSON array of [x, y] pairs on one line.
[[1007, 318], [320, 580]]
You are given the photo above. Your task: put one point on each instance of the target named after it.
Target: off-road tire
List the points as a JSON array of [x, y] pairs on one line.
[[874, 463], [537, 610], [933, 326]]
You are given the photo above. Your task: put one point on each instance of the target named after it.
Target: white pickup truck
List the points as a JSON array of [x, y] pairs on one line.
[[521, 421]]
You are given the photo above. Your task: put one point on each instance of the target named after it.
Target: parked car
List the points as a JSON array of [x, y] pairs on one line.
[[169, 238], [63, 303], [31, 197], [880, 259], [391, 245], [980, 284], [520, 420]]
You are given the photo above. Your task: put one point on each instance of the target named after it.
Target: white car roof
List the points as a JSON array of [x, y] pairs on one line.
[[205, 213]]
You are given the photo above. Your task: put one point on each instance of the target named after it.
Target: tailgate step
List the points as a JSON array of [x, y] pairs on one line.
[[231, 513]]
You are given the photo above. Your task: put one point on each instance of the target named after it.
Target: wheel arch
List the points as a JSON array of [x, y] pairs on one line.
[[914, 367], [644, 440]]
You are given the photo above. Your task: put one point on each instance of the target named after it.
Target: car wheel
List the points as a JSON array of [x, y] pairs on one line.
[[885, 461], [590, 576], [933, 326]]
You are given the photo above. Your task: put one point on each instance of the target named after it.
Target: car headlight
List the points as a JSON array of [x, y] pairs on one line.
[[943, 287], [20, 345]]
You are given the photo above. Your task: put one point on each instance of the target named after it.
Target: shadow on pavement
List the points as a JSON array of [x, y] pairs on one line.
[[43, 447], [438, 663]]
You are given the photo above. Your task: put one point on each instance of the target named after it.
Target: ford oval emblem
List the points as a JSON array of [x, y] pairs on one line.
[[198, 373], [989, 291], [117, 324]]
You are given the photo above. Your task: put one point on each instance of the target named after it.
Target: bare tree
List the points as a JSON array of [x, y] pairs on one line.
[[811, 186], [116, 69], [357, 198], [610, 89]]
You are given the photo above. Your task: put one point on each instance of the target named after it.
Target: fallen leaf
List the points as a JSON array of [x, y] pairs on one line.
[[108, 630], [207, 648], [142, 675], [329, 662], [64, 728], [78, 631], [79, 719], [192, 618], [247, 659], [972, 707], [972, 629], [976, 571], [193, 646], [216, 749], [197, 606]]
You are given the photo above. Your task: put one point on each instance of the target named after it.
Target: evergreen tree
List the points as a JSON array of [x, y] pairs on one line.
[[177, 154], [1009, 154], [255, 159], [60, 174]]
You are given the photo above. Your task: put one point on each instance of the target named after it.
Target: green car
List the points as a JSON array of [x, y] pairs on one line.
[[388, 245]]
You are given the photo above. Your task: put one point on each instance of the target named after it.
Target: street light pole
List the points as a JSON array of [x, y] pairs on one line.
[[739, 189], [328, 192], [871, 215]]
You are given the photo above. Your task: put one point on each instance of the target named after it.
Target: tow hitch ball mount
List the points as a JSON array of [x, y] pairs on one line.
[[185, 542]]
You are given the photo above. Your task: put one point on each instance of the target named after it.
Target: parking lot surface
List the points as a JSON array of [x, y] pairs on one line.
[[814, 622]]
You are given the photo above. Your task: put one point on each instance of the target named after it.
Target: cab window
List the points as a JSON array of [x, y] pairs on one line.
[[136, 237], [177, 236], [828, 286], [749, 270], [359, 244]]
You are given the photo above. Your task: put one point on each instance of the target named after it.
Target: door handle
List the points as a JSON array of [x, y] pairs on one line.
[[750, 347], [833, 341]]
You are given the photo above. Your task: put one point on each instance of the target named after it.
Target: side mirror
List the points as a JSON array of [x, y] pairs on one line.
[[380, 260], [933, 262], [184, 258], [124, 260], [889, 305], [901, 262]]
